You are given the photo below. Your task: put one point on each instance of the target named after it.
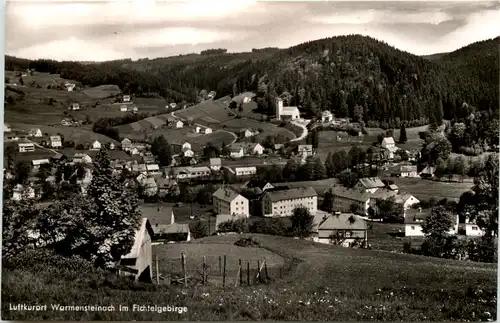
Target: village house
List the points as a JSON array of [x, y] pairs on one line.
[[74, 106], [286, 113], [66, 122], [126, 98], [126, 144], [215, 164], [21, 192], [348, 200], [278, 147], [369, 184], [6, 127], [167, 186], [187, 152], [414, 219], [55, 141], [111, 146], [346, 229], [257, 183], [245, 171], [173, 105], [405, 170], [123, 108], [70, 86], [406, 200], [197, 129], [248, 132], [149, 186], [96, 145], [138, 263], [82, 158], [146, 159], [428, 172], [139, 168], [178, 124], [326, 116], [305, 151], [236, 151], [26, 147], [281, 203], [164, 225], [35, 132], [153, 169], [211, 95], [36, 163], [206, 130], [389, 144], [227, 201]]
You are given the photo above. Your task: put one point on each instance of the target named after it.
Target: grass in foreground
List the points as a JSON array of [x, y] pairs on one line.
[[323, 283]]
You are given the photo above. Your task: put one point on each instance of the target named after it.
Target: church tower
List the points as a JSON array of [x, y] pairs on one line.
[[279, 107]]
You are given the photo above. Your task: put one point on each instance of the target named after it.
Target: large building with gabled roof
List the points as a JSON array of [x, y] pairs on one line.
[[283, 202]]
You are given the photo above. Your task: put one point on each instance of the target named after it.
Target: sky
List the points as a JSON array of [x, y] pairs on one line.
[[107, 30]]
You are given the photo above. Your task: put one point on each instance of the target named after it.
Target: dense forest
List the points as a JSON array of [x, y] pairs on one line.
[[352, 76]]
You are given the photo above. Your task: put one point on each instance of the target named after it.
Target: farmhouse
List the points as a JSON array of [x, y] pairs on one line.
[[241, 149], [138, 263], [164, 225], [153, 169], [70, 86], [326, 116], [55, 141], [227, 201], [212, 94], [305, 151], [126, 144], [36, 163], [348, 200], [245, 171], [389, 144], [173, 105], [197, 129], [149, 186], [6, 127], [236, 151], [414, 219], [74, 106], [66, 122], [126, 98], [82, 158], [245, 133], [215, 164], [346, 229], [285, 113], [405, 171], [21, 193], [256, 183], [406, 200], [35, 132], [178, 124], [26, 147], [167, 186], [187, 152], [206, 131], [96, 145], [428, 172], [282, 202], [123, 108], [369, 184]]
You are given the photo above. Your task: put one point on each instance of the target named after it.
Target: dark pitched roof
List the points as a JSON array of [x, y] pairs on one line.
[[413, 216], [351, 194], [371, 182], [225, 194], [256, 183], [290, 194], [343, 221]]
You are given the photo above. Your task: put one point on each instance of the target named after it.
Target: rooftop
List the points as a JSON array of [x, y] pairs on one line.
[[371, 182], [225, 194], [343, 221], [290, 194], [351, 194]]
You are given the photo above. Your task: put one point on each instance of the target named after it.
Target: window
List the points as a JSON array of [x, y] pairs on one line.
[[413, 227], [236, 209], [474, 228]]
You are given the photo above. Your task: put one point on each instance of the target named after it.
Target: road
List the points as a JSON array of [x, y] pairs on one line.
[[304, 133], [42, 147]]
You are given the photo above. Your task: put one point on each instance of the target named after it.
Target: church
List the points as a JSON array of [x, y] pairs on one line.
[[285, 113]]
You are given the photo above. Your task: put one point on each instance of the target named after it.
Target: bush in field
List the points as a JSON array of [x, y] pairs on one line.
[[238, 226], [247, 242], [271, 226], [198, 230]]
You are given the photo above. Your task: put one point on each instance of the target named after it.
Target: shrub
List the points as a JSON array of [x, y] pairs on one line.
[[238, 226], [272, 226], [247, 242]]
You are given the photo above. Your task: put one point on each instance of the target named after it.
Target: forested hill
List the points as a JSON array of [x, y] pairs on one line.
[[353, 76]]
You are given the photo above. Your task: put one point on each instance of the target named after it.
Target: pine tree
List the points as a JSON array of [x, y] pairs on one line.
[[319, 169], [111, 217], [402, 134]]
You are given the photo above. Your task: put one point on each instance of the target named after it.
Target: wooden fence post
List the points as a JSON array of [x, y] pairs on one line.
[[184, 269], [248, 273], [204, 270], [224, 273], [157, 272], [257, 275], [259, 269], [220, 266], [265, 270], [241, 273]]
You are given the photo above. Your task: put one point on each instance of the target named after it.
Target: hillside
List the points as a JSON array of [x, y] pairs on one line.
[[319, 282], [352, 76]]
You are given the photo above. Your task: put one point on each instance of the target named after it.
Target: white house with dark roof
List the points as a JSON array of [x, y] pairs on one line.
[[389, 144], [26, 147], [236, 151], [245, 170], [227, 201], [406, 200], [282, 202], [187, 152], [414, 219], [55, 141], [96, 145], [75, 106], [6, 127], [215, 164], [428, 172], [123, 108], [369, 184], [472, 229], [35, 132], [305, 151], [326, 116], [126, 98], [206, 130], [346, 228]]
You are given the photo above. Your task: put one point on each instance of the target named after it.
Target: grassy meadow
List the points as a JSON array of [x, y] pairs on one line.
[[319, 282], [425, 189]]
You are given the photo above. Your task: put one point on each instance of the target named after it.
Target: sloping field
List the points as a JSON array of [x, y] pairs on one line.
[[43, 79], [215, 111], [425, 189], [319, 283], [78, 135], [155, 121], [102, 91], [267, 129]]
